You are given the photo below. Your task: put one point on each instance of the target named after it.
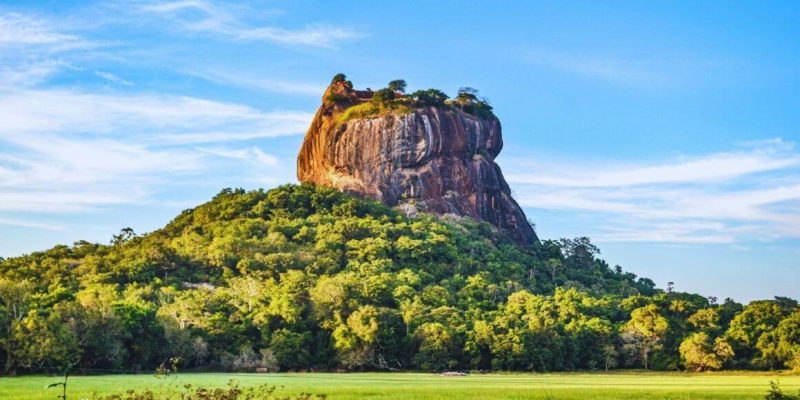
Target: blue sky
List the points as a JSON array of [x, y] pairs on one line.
[[666, 132]]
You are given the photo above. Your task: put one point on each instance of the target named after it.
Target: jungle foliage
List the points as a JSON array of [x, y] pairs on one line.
[[303, 277]]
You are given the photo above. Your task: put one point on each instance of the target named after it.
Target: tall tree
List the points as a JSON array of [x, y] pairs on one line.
[[644, 332]]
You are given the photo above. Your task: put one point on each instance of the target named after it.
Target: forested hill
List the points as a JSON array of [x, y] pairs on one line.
[[304, 277]]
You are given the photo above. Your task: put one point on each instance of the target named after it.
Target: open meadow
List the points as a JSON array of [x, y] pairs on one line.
[[512, 386]]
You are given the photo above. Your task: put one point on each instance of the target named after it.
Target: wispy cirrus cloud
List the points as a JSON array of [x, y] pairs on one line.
[[32, 49], [53, 141], [758, 157], [231, 78], [227, 21], [253, 155], [642, 71], [726, 197], [108, 76], [75, 149], [30, 224], [23, 30], [154, 116]]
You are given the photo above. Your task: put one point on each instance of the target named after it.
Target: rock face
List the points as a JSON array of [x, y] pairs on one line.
[[435, 159]]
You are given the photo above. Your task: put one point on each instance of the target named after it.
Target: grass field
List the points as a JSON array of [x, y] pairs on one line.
[[589, 386]]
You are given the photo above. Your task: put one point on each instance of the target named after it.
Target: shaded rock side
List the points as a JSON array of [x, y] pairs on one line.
[[438, 159]]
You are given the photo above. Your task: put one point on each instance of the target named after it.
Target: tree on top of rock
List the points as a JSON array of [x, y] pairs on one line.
[[397, 85]]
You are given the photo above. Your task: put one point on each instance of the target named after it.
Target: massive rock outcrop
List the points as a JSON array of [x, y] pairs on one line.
[[435, 159]]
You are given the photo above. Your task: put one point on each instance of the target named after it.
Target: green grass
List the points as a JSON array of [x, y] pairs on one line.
[[372, 109], [518, 386]]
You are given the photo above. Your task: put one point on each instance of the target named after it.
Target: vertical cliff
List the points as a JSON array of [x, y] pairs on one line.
[[438, 159]]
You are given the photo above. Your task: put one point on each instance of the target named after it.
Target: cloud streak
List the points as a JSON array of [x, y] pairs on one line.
[[55, 140], [22, 30], [108, 76], [32, 50], [82, 149], [630, 71], [724, 197], [214, 18], [229, 78]]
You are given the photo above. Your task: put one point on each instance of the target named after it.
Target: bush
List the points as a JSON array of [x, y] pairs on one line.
[[775, 393], [232, 392], [469, 102], [383, 96], [430, 97]]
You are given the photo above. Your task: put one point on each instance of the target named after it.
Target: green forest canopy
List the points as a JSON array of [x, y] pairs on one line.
[[303, 277]]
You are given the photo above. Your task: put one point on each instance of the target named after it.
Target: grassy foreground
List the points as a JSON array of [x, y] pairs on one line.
[[628, 385]]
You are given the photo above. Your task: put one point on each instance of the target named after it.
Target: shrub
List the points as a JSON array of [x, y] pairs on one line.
[[232, 392], [469, 102], [383, 95], [431, 97], [775, 393]]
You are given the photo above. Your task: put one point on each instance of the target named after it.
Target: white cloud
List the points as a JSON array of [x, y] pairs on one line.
[[210, 17], [84, 149], [17, 29], [153, 115], [29, 74], [250, 82], [112, 146], [113, 78], [632, 71], [32, 49], [30, 224], [253, 155], [703, 169], [717, 198]]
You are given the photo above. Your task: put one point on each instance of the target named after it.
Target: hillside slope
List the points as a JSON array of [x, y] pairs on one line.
[[305, 277], [318, 277]]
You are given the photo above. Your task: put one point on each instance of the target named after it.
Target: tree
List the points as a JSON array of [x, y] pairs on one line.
[[706, 320], [467, 95], [397, 85], [699, 353], [581, 249], [143, 335], [123, 236], [291, 349], [96, 329], [554, 267], [468, 101], [643, 333], [436, 345], [15, 304], [432, 97], [290, 299], [340, 77], [781, 347], [789, 340], [759, 318], [610, 355]]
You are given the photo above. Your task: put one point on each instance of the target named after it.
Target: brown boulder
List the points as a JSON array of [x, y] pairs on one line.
[[437, 159]]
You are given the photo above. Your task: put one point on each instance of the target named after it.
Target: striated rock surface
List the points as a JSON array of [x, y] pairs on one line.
[[435, 159]]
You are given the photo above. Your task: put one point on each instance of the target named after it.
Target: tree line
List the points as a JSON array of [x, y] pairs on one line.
[[307, 278]]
